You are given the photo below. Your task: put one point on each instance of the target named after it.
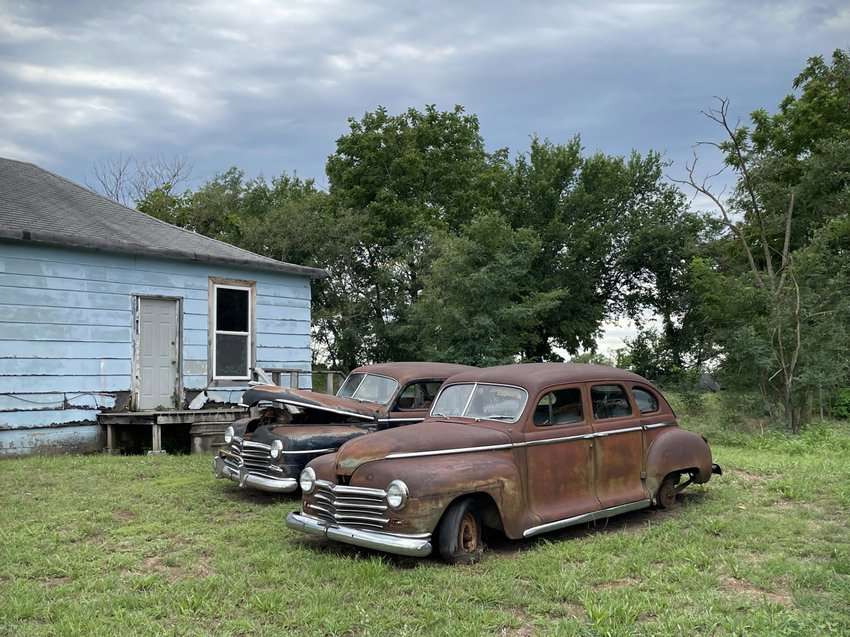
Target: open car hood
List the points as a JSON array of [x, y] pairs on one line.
[[283, 396], [307, 437], [428, 436]]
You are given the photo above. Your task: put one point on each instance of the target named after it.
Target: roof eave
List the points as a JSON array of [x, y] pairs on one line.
[[123, 247]]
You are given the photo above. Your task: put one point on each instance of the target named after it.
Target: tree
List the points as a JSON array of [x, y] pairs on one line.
[[130, 180], [615, 237], [762, 293], [481, 303], [396, 180]]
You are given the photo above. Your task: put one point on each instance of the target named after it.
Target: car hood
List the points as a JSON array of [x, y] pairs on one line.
[[306, 437], [429, 435], [314, 400]]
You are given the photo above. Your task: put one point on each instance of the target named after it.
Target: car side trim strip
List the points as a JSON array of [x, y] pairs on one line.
[[587, 517], [447, 452], [528, 443], [286, 452]]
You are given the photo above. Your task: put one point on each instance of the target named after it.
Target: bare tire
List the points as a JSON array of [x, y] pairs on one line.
[[459, 534], [666, 496]]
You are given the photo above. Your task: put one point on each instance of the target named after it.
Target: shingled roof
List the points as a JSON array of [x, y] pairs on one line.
[[37, 205]]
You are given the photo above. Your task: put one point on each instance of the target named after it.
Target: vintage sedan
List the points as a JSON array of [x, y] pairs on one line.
[[286, 428], [524, 449]]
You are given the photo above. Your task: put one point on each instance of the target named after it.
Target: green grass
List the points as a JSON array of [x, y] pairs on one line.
[[98, 545]]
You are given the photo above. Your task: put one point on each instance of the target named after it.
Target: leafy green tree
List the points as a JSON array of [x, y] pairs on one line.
[[766, 292], [397, 180], [615, 237], [481, 301]]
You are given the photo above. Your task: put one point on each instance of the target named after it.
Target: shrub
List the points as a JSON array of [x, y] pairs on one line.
[[841, 408]]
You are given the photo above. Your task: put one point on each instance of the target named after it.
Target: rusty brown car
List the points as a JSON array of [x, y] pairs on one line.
[[523, 449], [286, 428]]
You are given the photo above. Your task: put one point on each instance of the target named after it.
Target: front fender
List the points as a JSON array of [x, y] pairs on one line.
[[677, 450], [435, 482]]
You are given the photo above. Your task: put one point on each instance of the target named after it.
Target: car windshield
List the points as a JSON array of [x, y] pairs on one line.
[[484, 402], [368, 387]]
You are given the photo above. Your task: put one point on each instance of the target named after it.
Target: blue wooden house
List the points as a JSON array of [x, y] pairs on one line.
[[106, 310]]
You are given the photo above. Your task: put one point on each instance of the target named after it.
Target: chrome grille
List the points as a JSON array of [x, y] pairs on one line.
[[255, 456], [342, 505]]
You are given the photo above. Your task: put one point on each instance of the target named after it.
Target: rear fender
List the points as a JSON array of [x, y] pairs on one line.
[[677, 450]]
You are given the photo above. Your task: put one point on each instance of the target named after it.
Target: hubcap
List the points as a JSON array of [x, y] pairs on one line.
[[469, 533], [667, 494]]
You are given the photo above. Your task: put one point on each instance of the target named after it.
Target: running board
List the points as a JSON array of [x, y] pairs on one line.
[[587, 517]]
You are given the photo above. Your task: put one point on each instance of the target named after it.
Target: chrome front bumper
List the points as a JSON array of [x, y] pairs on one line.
[[409, 545], [252, 480]]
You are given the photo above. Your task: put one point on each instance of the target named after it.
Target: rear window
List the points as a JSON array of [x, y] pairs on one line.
[[646, 401]]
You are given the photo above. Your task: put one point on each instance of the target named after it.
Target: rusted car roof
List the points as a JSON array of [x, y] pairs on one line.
[[535, 376], [405, 372]]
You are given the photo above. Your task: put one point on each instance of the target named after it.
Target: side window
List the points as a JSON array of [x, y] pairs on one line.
[[418, 395], [646, 401], [609, 401], [560, 407]]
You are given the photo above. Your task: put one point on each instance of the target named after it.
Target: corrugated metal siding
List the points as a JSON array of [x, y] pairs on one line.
[[66, 333]]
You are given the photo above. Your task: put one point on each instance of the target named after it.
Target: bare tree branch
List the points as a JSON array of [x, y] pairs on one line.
[[721, 117], [128, 180], [111, 178], [703, 188]]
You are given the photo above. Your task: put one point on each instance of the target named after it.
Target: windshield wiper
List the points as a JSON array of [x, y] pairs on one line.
[[498, 417]]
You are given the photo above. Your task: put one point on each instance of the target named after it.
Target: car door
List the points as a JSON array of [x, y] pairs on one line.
[[558, 455], [413, 402], [618, 445]]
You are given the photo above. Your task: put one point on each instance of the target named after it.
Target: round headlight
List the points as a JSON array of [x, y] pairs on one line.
[[397, 494], [228, 435], [307, 480], [277, 447]]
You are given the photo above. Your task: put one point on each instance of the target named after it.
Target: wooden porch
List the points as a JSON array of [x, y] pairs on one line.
[[205, 427]]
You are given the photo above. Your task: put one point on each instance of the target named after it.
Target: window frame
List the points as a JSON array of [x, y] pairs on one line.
[[423, 381], [250, 288], [550, 390], [393, 395], [626, 390], [475, 384], [647, 390]]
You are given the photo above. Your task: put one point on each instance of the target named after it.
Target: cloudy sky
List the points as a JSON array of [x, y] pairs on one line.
[[267, 85]]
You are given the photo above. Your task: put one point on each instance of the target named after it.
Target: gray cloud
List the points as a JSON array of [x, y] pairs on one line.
[[267, 85]]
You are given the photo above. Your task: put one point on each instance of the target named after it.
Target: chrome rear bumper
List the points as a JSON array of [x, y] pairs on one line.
[[409, 545], [251, 480]]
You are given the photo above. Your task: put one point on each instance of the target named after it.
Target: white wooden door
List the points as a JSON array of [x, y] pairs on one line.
[[158, 347]]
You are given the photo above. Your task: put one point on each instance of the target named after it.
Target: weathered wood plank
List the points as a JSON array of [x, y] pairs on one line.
[[45, 418], [35, 331], [63, 366], [77, 384]]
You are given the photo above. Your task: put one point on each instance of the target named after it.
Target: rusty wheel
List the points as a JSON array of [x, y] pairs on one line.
[[459, 534], [666, 496]]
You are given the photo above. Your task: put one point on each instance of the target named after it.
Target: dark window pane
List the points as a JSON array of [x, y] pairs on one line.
[[231, 310], [609, 401], [350, 385], [418, 395], [561, 407], [231, 355], [646, 402]]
